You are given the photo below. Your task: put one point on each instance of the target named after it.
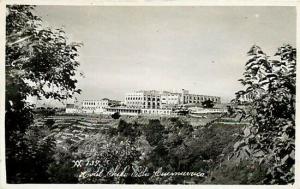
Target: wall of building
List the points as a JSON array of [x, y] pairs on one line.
[[156, 111], [95, 106], [143, 99], [165, 99], [72, 109], [198, 99], [122, 110], [169, 100]]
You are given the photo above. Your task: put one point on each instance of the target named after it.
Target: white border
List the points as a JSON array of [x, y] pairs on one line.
[[3, 3]]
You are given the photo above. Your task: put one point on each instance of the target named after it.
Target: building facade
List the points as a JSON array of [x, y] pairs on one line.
[[146, 102], [95, 106], [165, 99], [122, 110], [72, 109], [143, 99], [170, 100], [188, 98], [161, 112]]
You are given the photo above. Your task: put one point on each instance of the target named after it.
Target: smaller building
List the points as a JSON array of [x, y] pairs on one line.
[[122, 110], [72, 109], [95, 106], [246, 98], [160, 112], [199, 110]]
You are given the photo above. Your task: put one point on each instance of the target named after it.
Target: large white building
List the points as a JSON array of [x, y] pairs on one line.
[[143, 99], [145, 102], [165, 99]]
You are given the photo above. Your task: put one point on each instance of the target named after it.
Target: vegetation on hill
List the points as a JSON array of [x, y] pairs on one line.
[[175, 146]]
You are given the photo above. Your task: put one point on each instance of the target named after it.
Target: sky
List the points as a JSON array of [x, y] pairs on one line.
[[201, 49]]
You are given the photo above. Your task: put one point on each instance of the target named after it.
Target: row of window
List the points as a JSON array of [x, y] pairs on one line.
[[192, 102], [141, 98], [124, 111], [157, 111], [174, 98], [144, 103], [169, 99], [94, 103], [145, 106], [92, 108], [200, 98]]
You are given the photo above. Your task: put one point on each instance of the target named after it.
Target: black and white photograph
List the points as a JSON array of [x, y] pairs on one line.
[[149, 95]]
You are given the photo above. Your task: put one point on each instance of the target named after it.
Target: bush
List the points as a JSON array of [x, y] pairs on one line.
[[116, 115], [232, 172], [270, 138]]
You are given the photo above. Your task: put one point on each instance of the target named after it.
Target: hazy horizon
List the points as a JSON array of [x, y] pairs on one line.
[[201, 49]]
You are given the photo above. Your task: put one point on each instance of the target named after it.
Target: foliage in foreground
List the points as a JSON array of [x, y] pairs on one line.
[[270, 138], [39, 62], [174, 147]]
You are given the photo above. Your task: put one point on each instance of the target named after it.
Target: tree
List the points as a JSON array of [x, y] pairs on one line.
[[116, 115], [111, 153], [39, 62], [154, 132], [270, 138], [62, 170], [128, 130], [208, 103]]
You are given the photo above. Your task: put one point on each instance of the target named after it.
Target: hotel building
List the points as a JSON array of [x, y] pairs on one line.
[[165, 99], [146, 102]]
